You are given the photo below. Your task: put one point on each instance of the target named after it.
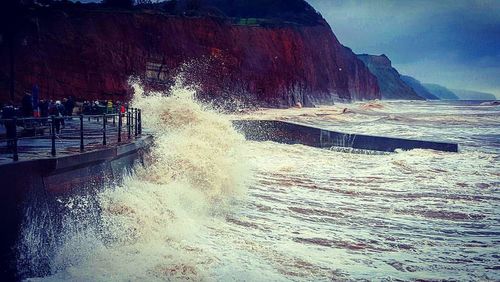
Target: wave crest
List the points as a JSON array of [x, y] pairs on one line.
[[148, 226]]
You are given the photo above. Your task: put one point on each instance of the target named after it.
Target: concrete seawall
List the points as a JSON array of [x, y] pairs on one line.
[[32, 191], [31, 188], [293, 133]]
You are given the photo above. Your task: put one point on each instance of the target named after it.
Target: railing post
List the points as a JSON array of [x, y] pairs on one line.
[[114, 122], [135, 122], [15, 157], [140, 122], [53, 151], [128, 123], [104, 129], [81, 134], [120, 127], [131, 120]]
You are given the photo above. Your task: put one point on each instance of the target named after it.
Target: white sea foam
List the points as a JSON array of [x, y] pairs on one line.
[[149, 224], [308, 214]]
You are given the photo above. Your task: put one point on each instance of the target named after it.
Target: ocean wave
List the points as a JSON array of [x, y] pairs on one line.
[[373, 105], [148, 225]]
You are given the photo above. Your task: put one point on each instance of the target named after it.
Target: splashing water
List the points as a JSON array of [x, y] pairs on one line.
[[308, 214], [149, 225]]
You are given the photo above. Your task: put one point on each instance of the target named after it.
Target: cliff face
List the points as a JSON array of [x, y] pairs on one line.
[[389, 80], [418, 87], [92, 54], [473, 95], [441, 92]]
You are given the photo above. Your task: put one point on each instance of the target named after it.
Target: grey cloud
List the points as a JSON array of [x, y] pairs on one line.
[[444, 40]]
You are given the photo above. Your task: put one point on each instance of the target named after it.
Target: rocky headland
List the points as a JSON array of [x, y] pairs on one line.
[[440, 91], [417, 86], [392, 87]]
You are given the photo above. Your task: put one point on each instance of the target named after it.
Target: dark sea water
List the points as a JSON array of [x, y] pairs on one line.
[[217, 207], [411, 215]]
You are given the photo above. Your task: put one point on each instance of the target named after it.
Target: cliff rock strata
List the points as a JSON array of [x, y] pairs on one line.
[[92, 54]]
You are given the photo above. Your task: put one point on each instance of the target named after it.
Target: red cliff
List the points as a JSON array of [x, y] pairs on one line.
[[92, 54]]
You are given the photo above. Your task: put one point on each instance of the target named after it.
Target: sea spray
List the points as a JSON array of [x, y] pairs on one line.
[[193, 143], [310, 214], [147, 225]]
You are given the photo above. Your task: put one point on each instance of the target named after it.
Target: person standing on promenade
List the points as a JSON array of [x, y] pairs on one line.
[[8, 113], [35, 94], [65, 104], [109, 109], [58, 113], [86, 109], [69, 106], [44, 110], [27, 105]]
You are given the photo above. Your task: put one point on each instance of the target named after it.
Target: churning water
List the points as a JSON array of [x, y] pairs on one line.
[[212, 206]]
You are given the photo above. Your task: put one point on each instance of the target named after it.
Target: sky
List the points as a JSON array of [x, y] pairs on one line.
[[455, 43]]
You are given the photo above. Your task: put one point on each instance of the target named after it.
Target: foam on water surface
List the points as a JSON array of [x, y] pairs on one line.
[[215, 207], [149, 226]]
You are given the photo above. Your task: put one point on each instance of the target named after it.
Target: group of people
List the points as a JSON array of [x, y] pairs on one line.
[[102, 107], [33, 107]]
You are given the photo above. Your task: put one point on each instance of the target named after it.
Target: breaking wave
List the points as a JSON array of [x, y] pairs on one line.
[[372, 105], [147, 223], [309, 214]]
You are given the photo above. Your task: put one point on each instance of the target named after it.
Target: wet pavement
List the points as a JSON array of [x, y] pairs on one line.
[[67, 142]]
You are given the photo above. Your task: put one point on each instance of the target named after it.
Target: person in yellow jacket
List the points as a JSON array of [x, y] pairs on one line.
[[110, 107]]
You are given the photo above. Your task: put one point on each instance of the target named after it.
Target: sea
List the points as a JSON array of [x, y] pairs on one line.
[[212, 206]]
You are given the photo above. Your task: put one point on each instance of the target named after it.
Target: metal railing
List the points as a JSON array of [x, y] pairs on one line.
[[90, 128]]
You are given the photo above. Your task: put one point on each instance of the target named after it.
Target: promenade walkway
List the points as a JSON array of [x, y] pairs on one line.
[[68, 141]]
